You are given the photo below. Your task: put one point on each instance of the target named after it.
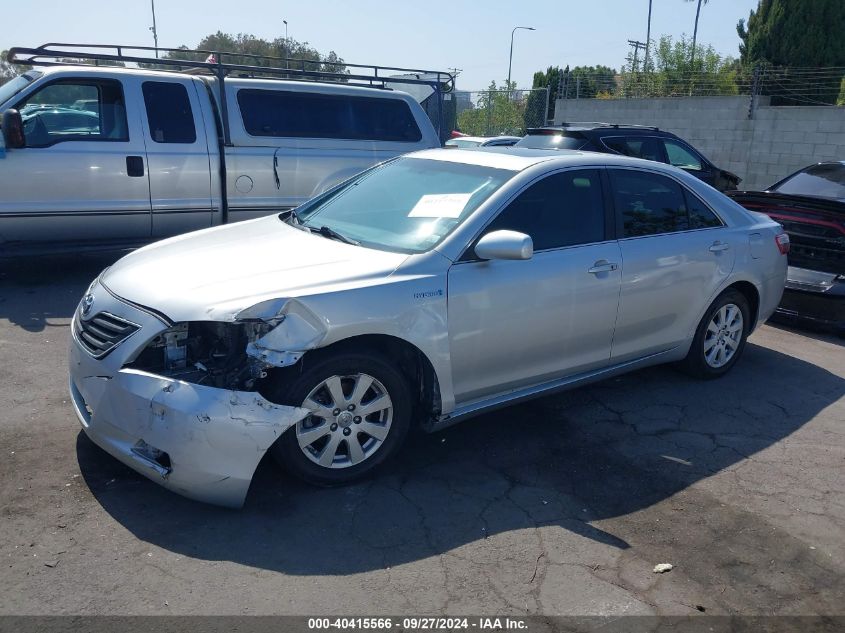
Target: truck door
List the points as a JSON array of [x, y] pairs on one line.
[[81, 176], [178, 157]]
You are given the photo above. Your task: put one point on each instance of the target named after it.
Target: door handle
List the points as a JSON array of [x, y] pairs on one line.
[[135, 166], [718, 247], [603, 266]]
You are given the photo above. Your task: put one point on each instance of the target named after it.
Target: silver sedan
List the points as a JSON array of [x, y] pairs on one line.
[[423, 291]]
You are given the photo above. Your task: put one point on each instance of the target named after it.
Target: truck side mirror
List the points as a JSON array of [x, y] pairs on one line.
[[13, 129]]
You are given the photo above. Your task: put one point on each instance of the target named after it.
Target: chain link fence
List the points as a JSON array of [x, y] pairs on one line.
[[785, 85], [500, 112]]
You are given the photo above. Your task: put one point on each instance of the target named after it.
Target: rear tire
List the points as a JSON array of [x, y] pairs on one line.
[[361, 415], [720, 337]]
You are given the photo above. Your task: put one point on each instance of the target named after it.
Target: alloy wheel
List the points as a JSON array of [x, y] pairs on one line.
[[350, 420], [723, 335]]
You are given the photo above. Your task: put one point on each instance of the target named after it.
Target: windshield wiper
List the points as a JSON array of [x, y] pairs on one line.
[[329, 232]]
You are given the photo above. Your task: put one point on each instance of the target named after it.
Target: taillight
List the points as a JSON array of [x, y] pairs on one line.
[[782, 242]]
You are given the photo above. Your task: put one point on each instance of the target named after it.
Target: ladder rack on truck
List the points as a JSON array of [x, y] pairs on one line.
[[243, 65]]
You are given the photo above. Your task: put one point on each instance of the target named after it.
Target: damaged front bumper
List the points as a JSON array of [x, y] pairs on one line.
[[199, 441]]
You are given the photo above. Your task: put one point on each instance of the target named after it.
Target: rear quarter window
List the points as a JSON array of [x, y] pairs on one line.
[[552, 141], [283, 113]]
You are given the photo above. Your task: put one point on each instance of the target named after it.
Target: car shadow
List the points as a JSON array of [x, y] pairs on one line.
[[35, 291], [809, 330], [572, 460]]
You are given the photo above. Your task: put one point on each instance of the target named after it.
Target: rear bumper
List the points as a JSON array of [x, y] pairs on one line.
[[813, 297]]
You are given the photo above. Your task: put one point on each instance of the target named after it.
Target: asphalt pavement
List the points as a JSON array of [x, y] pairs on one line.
[[563, 505]]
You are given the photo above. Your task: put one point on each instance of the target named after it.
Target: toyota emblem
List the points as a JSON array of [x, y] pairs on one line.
[[87, 302]]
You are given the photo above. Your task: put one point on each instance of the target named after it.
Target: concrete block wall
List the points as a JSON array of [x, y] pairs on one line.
[[776, 142]]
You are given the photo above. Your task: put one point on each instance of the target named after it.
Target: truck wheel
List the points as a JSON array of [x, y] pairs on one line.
[[720, 337], [360, 415]]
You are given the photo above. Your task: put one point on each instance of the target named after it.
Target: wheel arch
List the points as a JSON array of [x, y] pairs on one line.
[[749, 290], [412, 362], [752, 295]]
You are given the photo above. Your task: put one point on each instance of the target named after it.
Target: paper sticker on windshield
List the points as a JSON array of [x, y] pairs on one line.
[[440, 205]]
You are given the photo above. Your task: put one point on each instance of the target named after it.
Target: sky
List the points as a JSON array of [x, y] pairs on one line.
[[473, 36]]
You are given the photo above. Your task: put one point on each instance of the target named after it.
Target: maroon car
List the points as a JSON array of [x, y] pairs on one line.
[[810, 204]]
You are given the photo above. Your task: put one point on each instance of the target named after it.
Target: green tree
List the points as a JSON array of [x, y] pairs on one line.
[[549, 79], [499, 110], [676, 69], [587, 81], [240, 46], [582, 81], [797, 34], [9, 71]]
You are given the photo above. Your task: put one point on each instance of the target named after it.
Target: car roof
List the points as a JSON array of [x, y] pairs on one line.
[[521, 158], [596, 127]]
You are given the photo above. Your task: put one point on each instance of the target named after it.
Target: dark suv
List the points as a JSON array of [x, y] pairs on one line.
[[640, 141]]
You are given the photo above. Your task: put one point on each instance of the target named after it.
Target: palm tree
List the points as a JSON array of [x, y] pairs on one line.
[[695, 30]]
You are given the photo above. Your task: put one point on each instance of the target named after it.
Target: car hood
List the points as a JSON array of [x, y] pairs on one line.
[[214, 273]]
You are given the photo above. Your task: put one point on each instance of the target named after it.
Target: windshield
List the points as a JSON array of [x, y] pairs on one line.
[[822, 181], [552, 141], [406, 205], [14, 86]]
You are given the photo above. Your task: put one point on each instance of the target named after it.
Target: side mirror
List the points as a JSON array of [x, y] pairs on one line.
[[13, 129], [505, 245]]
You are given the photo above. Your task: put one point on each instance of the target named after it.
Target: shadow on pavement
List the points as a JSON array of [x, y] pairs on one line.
[[569, 460], [33, 291], [808, 330]]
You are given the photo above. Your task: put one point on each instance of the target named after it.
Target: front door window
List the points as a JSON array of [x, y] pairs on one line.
[[71, 110]]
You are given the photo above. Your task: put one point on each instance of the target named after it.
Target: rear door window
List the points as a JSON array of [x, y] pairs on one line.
[[282, 113], [169, 113], [647, 147]]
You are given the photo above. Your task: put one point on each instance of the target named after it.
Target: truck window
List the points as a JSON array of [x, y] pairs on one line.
[[169, 113], [309, 115], [52, 115]]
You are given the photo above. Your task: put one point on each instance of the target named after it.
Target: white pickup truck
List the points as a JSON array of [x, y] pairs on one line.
[[98, 156]]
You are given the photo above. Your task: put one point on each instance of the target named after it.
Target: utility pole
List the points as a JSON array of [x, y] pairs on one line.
[[455, 72], [153, 27], [647, 37], [633, 57], [287, 45]]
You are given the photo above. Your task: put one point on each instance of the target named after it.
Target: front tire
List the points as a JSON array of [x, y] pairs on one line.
[[720, 338], [361, 413]]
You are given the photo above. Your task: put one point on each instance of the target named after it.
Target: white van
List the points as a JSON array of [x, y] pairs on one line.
[[111, 157]]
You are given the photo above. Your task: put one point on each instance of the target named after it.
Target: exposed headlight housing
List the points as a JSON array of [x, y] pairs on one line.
[[206, 352]]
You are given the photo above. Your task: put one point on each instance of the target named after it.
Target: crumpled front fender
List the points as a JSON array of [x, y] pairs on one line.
[[297, 330]]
